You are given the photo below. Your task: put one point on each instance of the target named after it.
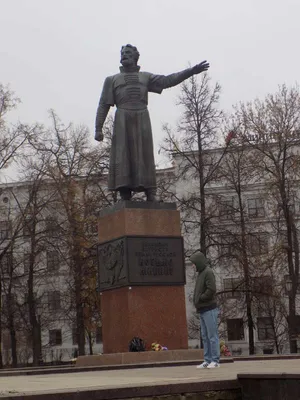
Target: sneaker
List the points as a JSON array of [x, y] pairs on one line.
[[203, 365], [213, 365]]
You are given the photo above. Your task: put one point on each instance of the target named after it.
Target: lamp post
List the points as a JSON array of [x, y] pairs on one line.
[[291, 316], [288, 285]]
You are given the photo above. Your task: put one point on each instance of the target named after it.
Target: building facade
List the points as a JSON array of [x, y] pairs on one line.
[[245, 241]]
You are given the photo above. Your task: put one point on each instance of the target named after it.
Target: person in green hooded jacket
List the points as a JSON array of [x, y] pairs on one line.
[[206, 305]]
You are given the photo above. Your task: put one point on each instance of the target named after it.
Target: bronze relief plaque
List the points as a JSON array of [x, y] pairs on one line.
[[141, 260]]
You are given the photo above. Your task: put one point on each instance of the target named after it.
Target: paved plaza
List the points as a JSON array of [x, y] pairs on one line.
[[139, 377]]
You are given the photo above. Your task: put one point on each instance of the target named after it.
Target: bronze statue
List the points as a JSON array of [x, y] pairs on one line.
[[132, 167]]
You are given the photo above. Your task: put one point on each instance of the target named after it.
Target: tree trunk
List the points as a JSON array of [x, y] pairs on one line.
[[11, 322], [203, 223], [246, 277], [36, 343], [203, 232], [1, 359], [293, 265], [13, 344], [77, 267], [80, 329], [90, 343], [291, 323], [32, 306], [250, 325], [275, 336], [79, 310], [35, 326], [36, 348]]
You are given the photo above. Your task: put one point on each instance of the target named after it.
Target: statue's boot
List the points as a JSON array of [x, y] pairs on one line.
[[151, 195], [125, 194]]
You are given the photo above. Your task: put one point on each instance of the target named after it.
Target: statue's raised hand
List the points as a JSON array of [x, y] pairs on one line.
[[202, 67]]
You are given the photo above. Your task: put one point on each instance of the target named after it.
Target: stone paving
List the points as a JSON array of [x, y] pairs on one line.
[[139, 377]]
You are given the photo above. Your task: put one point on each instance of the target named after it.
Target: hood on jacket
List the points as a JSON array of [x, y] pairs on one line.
[[199, 260]]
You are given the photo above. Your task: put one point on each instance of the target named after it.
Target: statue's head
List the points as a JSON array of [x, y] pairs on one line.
[[129, 55]]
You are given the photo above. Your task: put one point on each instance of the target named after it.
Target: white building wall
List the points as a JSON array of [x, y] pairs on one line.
[[65, 351]]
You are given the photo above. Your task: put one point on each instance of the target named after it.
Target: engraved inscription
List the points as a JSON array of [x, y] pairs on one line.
[[155, 260]]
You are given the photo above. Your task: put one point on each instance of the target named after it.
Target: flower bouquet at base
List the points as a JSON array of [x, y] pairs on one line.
[[158, 347], [224, 349]]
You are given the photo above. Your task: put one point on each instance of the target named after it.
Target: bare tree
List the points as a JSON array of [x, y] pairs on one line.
[[197, 132], [272, 127], [25, 275], [75, 171], [33, 215], [236, 171], [11, 268], [272, 306], [9, 275], [13, 140]]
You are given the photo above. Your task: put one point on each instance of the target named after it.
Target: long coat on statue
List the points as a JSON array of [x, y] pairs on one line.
[[131, 157]]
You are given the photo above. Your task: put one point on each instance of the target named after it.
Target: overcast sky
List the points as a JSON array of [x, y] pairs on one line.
[[57, 53]]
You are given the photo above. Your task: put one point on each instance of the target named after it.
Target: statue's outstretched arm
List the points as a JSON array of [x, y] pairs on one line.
[[178, 77], [160, 82]]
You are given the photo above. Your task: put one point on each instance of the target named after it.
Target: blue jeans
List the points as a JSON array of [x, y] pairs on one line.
[[210, 335]]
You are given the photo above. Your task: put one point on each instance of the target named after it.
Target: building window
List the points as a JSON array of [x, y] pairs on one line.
[[8, 302], [227, 208], [28, 227], [4, 230], [52, 227], [7, 263], [55, 337], [265, 329], [294, 324], [235, 329], [261, 286], [258, 243], [233, 287], [52, 261], [54, 300], [228, 246], [99, 334], [3, 303], [26, 262], [282, 238], [256, 208]]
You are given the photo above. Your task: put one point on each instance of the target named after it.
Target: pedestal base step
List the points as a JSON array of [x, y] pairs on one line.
[[139, 358]]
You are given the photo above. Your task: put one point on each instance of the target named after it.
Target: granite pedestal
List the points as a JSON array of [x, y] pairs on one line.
[[130, 306]]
